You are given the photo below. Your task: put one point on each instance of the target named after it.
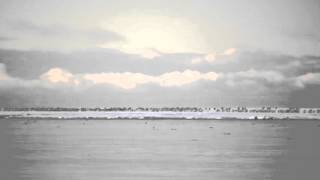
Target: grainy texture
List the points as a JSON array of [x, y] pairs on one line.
[[159, 149]]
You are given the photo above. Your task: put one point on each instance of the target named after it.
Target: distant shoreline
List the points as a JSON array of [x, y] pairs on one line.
[[243, 109], [151, 119], [161, 115]]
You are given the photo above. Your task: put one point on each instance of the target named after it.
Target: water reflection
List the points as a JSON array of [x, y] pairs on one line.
[[157, 149]]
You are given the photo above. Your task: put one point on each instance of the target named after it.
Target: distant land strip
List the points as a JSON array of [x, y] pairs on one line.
[[265, 109], [265, 113]]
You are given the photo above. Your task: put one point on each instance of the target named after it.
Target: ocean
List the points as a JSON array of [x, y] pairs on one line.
[[98, 149]]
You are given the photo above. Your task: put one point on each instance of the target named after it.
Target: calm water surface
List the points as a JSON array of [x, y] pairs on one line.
[[159, 149]]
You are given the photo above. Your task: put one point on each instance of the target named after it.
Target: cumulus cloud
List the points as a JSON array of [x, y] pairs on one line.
[[186, 77], [229, 52], [270, 76], [251, 78], [103, 60], [149, 53], [210, 57], [3, 72], [254, 77], [56, 75], [213, 57], [307, 79], [127, 80], [130, 80]]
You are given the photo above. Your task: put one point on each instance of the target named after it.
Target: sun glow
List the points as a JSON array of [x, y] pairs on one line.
[[150, 35]]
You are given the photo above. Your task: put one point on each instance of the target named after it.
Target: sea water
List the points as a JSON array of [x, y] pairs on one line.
[[41, 148]]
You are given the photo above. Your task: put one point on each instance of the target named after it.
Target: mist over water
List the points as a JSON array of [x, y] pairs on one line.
[[158, 149]]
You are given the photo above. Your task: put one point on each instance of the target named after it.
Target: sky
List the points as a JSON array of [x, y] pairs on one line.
[[159, 53]]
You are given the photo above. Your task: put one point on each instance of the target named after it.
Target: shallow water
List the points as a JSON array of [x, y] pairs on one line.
[[159, 149]]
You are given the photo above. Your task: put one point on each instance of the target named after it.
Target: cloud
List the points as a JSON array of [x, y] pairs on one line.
[[259, 81], [229, 51], [106, 60], [60, 37], [3, 72], [269, 76], [90, 61], [289, 66], [4, 38], [27, 26], [214, 57], [128, 80], [210, 57], [186, 77], [250, 78], [308, 79], [304, 36], [57, 75], [165, 34], [149, 53], [125, 80], [57, 30]]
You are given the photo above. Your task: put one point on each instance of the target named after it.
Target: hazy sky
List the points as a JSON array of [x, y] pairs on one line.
[[159, 53]]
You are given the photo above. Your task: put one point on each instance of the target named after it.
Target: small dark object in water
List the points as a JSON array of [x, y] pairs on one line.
[[173, 129], [210, 127], [227, 133]]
